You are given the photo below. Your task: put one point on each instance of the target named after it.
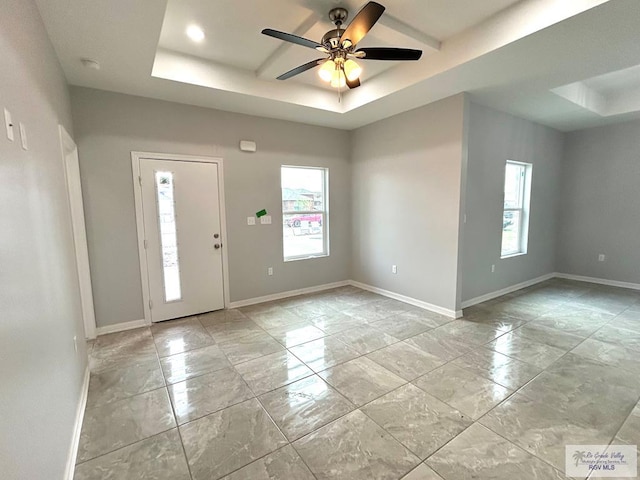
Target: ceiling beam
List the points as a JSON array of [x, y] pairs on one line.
[[401, 27], [279, 52]]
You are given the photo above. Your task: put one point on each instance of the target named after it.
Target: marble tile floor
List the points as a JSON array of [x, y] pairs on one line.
[[347, 384]]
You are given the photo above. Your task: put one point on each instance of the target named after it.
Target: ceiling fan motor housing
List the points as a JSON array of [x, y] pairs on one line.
[[332, 38]]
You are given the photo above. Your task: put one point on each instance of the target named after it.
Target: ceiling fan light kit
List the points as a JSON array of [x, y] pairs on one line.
[[340, 69]]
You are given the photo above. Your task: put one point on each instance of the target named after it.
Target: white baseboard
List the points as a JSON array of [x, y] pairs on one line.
[[498, 293], [290, 293], [77, 428], [600, 281], [121, 327], [412, 301]]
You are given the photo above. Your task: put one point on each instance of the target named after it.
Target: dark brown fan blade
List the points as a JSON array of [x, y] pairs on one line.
[[384, 53], [289, 37], [353, 84], [302, 68], [362, 23]]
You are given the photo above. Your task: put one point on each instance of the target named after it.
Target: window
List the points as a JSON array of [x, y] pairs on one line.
[[304, 212], [515, 218]]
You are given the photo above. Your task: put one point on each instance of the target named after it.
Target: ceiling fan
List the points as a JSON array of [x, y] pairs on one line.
[[339, 67]]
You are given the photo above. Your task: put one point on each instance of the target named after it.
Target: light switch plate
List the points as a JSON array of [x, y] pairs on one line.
[[251, 220], [23, 137], [8, 124], [266, 220]]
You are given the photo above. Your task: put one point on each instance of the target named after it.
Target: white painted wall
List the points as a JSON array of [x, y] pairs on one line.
[[406, 182], [40, 373], [494, 138], [109, 126], [600, 203]]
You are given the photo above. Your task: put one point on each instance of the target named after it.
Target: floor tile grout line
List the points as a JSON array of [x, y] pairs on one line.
[[289, 442], [184, 452], [518, 446], [394, 437], [125, 446], [217, 411], [511, 392], [351, 404]]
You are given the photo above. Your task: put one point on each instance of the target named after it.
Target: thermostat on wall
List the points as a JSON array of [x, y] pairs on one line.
[[247, 146]]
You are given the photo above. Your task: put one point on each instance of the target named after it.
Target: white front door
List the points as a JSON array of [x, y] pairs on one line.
[[183, 238]]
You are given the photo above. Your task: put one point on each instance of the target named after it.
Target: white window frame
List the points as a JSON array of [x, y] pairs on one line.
[[523, 209], [324, 212]]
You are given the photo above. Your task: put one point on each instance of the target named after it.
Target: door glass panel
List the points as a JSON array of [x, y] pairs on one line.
[[168, 236]]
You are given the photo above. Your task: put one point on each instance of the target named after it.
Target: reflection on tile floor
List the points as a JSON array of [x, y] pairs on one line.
[[351, 385]]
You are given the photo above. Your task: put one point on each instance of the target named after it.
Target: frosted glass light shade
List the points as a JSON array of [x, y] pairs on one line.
[[352, 70], [337, 79], [326, 70]]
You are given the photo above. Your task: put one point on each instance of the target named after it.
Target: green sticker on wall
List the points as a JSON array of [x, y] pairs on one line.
[[261, 213]]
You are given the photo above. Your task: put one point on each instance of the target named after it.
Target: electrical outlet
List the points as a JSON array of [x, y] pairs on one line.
[[251, 220], [493, 269], [394, 269], [270, 271], [601, 257]]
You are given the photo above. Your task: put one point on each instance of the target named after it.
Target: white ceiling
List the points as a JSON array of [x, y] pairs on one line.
[[540, 59]]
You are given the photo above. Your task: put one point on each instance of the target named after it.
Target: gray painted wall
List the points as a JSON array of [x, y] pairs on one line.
[[109, 126], [494, 138], [407, 173], [600, 203], [40, 371]]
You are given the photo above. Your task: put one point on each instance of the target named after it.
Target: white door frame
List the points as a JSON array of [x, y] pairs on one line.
[[137, 189], [76, 209]]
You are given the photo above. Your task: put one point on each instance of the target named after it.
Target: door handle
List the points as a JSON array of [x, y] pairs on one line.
[[217, 246]]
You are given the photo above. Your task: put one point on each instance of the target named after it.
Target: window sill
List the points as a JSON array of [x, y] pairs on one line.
[[306, 257], [511, 255]]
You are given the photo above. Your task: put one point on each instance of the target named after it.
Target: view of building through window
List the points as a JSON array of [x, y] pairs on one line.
[[515, 221], [304, 212], [168, 236]]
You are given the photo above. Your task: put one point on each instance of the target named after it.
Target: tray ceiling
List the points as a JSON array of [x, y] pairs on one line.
[[509, 54]]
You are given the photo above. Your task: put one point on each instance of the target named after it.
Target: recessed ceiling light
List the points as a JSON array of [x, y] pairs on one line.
[[195, 33]]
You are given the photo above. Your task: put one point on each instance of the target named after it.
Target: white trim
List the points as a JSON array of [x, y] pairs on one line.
[[599, 281], [79, 232], [77, 428], [412, 301], [142, 256], [290, 293], [498, 293], [137, 191], [121, 327]]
